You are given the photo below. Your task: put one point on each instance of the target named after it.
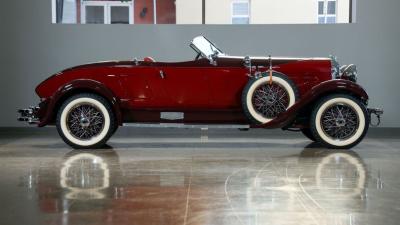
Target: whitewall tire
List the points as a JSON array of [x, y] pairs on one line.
[[339, 121], [307, 132], [262, 102], [85, 121]]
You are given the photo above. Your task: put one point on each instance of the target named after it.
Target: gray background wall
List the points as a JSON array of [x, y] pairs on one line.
[[32, 48]]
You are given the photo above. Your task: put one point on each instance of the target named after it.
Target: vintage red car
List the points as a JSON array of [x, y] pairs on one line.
[[88, 103]]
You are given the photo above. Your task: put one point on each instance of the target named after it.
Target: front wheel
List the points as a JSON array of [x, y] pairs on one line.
[[339, 121], [307, 132], [85, 121]]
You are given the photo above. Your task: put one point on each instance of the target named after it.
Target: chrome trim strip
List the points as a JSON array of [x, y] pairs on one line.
[[187, 126], [273, 58]]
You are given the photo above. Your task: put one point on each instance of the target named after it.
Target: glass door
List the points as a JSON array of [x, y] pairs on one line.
[[107, 12], [120, 14], [95, 14]]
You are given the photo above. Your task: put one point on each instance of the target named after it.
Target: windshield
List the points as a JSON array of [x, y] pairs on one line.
[[205, 47]]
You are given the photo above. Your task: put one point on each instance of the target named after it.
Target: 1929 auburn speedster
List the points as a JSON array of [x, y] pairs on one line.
[[87, 103]]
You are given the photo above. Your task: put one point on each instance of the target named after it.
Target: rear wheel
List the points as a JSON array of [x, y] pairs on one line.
[[339, 121], [85, 121]]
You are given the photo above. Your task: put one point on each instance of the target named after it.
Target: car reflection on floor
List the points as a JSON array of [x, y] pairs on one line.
[[328, 185], [85, 176], [317, 186]]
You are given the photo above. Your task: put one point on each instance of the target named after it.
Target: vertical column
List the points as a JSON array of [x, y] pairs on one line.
[[203, 8], [78, 11], [155, 11], [352, 11]]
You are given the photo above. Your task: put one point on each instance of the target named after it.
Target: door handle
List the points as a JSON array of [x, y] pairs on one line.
[[162, 75]]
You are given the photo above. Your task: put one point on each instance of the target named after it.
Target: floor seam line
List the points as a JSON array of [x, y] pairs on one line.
[[188, 195]]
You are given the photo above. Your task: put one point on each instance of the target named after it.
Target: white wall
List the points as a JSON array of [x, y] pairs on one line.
[[218, 12], [261, 12], [284, 11], [189, 11], [343, 8]]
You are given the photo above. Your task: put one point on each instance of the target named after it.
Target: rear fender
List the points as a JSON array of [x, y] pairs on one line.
[[318, 91], [75, 87]]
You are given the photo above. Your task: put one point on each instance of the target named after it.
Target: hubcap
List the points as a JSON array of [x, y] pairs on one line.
[[85, 121], [340, 121], [270, 100]]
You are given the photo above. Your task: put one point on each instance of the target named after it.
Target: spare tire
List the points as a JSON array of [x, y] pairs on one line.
[[263, 102]]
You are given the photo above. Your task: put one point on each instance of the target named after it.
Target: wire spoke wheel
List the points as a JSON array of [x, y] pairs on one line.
[[85, 121], [264, 99], [270, 100], [340, 121]]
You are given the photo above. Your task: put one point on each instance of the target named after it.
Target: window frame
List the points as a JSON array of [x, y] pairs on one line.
[[325, 14], [240, 16], [107, 9]]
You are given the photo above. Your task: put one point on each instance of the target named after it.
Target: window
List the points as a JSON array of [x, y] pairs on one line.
[[119, 15], [94, 14], [240, 12], [107, 12], [327, 11]]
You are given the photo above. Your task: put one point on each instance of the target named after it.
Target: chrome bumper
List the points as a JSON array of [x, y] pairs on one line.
[[377, 112], [29, 115]]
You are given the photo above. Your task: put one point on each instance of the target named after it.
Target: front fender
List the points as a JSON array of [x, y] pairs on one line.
[[318, 91], [75, 87]]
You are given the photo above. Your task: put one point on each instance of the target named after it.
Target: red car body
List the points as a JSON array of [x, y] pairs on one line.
[[87, 103], [206, 93]]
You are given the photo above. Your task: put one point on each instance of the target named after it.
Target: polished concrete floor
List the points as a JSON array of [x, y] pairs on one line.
[[169, 176]]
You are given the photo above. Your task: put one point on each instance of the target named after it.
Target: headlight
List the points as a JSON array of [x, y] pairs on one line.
[[349, 72]]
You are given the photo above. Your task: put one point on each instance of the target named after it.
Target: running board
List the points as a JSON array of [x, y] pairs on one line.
[[187, 126]]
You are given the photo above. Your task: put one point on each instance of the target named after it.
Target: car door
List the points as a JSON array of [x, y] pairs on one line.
[[185, 84], [226, 85], [143, 87]]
